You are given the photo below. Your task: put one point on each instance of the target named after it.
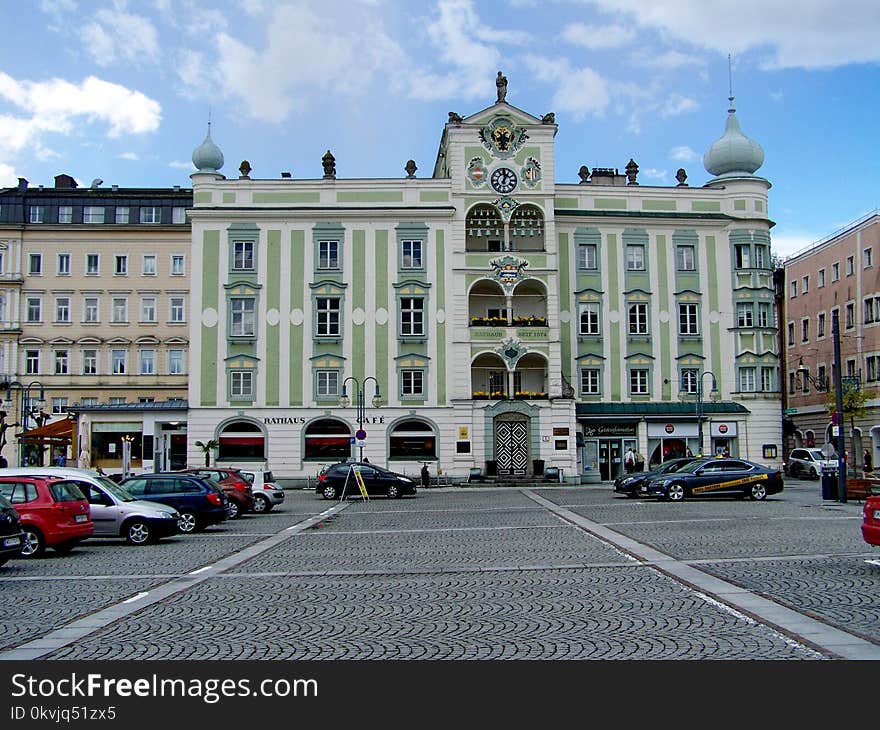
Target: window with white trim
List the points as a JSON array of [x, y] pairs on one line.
[[149, 264], [151, 214], [635, 257], [243, 322], [35, 264], [326, 383], [688, 319], [744, 314], [62, 309], [175, 362], [241, 384], [62, 362], [178, 265], [638, 381], [90, 310], [93, 264], [65, 214], [89, 362], [147, 362], [119, 309], [243, 255], [590, 383], [747, 380], [412, 383], [119, 362], [327, 316], [412, 316], [36, 214], [177, 309], [148, 309], [638, 319], [123, 215], [411, 255], [328, 255], [589, 319], [685, 258], [178, 215], [588, 258], [59, 405], [690, 379], [32, 362], [34, 309], [93, 214], [120, 264], [63, 264]]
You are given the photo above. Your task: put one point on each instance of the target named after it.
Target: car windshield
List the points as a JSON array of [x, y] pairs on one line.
[[692, 466], [816, 454], [121, 493], [669, 466]]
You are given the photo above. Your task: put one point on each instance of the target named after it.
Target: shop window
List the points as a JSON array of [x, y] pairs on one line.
[[327, 440], [413, 440], [241, 440]]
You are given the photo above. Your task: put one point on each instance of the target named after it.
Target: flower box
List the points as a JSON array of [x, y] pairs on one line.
[[488, 322], [530, 395], [529, 322]]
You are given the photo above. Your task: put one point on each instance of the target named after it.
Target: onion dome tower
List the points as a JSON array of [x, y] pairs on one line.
[[733, 154], [207, 157]]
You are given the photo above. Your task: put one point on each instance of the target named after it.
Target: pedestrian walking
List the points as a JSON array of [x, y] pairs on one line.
[[629, 461], [426, 476], [869, 462]]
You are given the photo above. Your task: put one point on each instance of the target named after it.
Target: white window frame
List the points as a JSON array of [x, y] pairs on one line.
[[90, 305], [148, 264], [62, 264], [122, 215], [177, 258], [176, 363], [177, 309], [243, 317], [93, 214], [148, 310], [635, 257], [62, 309], [147, 361], [119, 362], [90, 361], [96, 269], [150, 214], [65, 214], [119, 310], [688, 319]]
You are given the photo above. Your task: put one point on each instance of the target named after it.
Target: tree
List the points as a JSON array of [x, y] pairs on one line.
[[207, 448], [854, 406]]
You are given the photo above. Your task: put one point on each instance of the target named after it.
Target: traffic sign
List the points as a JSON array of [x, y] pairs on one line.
[[360, 442], [360, 434], [789, 411]]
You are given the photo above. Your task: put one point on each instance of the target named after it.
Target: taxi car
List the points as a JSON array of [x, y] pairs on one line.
[[631, 484], [871, 521], [716, 477]]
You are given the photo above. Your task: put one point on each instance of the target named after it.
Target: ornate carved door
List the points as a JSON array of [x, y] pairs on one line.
[[512, 446]]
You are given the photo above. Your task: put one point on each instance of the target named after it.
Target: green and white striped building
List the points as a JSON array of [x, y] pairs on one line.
[[509, 322]]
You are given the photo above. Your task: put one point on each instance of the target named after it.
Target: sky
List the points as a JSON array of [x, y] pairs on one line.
[[122, 90]]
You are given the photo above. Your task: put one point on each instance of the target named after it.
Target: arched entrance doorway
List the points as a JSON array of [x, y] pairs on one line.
[[512, 444]]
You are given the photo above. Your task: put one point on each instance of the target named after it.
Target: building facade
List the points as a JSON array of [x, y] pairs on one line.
[[838, 276], [485, 316], [94, 305]]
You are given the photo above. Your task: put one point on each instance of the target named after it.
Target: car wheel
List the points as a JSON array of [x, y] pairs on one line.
[[138, 532], [65, 548], [675, 493], [329, 491], [261, 504], [187, 522], [393, 491], [34, 544], [233, 511], [813, 473], [758, 492]]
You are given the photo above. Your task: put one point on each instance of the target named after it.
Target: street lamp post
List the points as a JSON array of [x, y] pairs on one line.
[[700, 404], [360, 404], [804, 372], [27, 408]]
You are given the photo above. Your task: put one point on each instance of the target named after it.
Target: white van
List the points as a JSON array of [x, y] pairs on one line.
[[115, 513]]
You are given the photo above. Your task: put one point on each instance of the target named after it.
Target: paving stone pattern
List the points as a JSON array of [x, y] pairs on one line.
[[556, 614]]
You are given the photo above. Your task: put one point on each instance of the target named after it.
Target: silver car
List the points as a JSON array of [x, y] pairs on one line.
[[267, 494], [115, 513]]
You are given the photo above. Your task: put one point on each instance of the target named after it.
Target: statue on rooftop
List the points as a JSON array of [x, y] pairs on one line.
[[501, 83]]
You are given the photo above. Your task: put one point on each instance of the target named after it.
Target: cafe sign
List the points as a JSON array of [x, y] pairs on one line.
[[609, 430]]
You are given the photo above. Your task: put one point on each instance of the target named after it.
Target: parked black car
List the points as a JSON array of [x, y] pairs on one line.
[[376, 480], [631, 484], [199, 501], [11, 534], [714, 476]]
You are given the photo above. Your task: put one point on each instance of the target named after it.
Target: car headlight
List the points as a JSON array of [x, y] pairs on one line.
[[660, 483]]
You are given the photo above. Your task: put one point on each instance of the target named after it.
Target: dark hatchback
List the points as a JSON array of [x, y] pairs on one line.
[[631, 484], [200, 502], [11, 534], [711, 477], [378, 481]]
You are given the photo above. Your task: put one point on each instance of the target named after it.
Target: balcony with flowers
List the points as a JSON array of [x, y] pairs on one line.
[[530, 321], [488, 322], [530, 395]]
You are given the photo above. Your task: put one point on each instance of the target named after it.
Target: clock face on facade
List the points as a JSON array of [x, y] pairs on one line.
[[503, 180]]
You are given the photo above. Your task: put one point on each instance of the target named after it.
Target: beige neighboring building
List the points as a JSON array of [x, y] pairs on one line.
[[94, 302], [840, 273]]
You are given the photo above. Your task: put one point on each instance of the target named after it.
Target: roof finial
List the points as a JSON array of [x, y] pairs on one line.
[[730, 83]]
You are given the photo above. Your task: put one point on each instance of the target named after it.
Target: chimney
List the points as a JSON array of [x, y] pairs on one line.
[[64, 182], [22, 183]]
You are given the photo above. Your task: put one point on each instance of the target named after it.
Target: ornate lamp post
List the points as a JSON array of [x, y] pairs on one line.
[[700, 403], [360, 404], [27, 407]]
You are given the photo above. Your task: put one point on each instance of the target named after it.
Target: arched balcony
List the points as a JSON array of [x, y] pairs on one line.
[[529, 304], [487, 305], [491, 380], [487, 230]]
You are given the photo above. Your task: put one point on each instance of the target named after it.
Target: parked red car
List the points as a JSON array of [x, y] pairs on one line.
[[871, 523], [54, 513], [234, 485]]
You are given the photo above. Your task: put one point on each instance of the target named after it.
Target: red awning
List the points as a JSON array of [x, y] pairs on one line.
[[56, 432]]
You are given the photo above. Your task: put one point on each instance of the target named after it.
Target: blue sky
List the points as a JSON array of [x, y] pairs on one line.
[[122, 91]]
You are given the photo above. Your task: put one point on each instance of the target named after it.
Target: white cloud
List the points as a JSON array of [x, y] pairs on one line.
[[114, 35], [597, 36], [809, 34], [579, 91], [787, 245], [667, 60], [59, 106], [133, 156], [8, 178], [677, 104], [652, 173], [178, 165], [683, 153]]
